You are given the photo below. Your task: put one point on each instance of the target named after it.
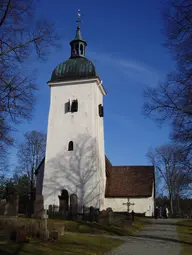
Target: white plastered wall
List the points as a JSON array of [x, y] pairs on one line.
[[82, 170], [141, 205]]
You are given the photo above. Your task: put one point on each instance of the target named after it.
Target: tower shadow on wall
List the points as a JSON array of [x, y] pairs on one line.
[[76, 171]]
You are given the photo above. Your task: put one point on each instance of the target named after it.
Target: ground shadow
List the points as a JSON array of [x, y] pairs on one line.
[[167, 239], [151, 222], [17, 250]]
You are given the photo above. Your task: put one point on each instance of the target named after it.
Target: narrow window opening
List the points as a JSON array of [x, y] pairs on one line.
[[77, 49], [74, 106], [81, 49], [70, 146], [67, 106], [101, 113]]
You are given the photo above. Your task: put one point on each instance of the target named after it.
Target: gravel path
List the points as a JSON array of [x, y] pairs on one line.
[[159, 238]]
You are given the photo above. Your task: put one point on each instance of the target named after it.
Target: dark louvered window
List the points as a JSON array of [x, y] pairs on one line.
[[70, 146], [100, 110], [67, 107], [74, 106]]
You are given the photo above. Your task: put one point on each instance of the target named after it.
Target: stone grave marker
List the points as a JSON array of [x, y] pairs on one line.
[[63, 203], [86, 211], [73, 206], [91, 213], [110, 215], [50, 210], [96, 214]]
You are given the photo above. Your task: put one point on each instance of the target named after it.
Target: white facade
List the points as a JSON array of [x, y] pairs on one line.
[[138, 205], [81, 171]]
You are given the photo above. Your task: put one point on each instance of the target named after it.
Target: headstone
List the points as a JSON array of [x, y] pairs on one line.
[[91, 214], [2, 206], [86, 211], [11, 207], [103, 214], [110, 215], [50, 210], [63, 202], [96, 215], [38, 206], [73, 206]]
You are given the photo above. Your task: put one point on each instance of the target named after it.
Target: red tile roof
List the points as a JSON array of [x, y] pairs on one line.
[[129, 181]]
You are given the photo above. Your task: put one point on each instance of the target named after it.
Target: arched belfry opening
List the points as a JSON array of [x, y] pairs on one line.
[[70, 146]]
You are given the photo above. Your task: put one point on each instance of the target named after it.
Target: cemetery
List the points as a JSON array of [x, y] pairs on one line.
[[59, 224]]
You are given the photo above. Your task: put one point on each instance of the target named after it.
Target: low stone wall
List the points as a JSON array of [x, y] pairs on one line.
[[23, 229]]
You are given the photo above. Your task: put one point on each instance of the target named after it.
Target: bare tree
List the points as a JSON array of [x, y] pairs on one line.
[[172, 100], [30, 153], [169, 163], [22, 35]]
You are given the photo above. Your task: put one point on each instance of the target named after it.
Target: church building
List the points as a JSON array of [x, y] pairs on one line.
[[75, 159]]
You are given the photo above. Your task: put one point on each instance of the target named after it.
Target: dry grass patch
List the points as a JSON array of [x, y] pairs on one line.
[[184, 229], [69, 244]]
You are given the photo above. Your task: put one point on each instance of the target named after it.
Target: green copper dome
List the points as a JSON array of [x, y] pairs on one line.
[[77, 66], [73, 69]]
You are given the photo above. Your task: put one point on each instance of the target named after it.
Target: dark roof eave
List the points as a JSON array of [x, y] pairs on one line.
[[127, 196], [72, 79]]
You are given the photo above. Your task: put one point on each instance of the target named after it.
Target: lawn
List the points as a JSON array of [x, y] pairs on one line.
[[69, 244], [120, 228], [184, 229]]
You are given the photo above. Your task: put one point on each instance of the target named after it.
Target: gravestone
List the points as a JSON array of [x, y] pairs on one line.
[[73, 206], [11, 207], [103, 214], [96, 213], [50, 210], [38, 206], [63, 202], [86, 211], [2, 206], [91, 214], [110, 215]]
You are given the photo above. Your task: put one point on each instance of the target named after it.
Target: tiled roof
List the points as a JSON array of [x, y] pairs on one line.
[[129, 181]]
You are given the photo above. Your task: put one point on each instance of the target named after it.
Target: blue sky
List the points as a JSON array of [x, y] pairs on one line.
[[125, 44]]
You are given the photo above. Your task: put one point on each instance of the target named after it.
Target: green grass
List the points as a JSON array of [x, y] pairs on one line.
[[120, 228], [184, 229], [69, 244]]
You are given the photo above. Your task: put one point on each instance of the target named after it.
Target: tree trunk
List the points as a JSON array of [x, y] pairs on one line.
[[178, 205], [171, 205]]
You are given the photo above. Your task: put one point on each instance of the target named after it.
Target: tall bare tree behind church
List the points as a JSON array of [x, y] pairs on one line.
[[30, 153], [172, 100], [23, 34]]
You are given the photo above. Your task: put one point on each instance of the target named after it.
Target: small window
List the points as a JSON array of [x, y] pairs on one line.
[[70, 146], [81, 49], [67, 107], [77, 49], [74, 106], [101, 110]]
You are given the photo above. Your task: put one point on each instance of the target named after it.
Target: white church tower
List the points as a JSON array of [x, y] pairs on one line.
[[75, 157]]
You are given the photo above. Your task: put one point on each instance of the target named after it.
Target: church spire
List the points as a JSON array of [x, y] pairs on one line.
[[78, 44]]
